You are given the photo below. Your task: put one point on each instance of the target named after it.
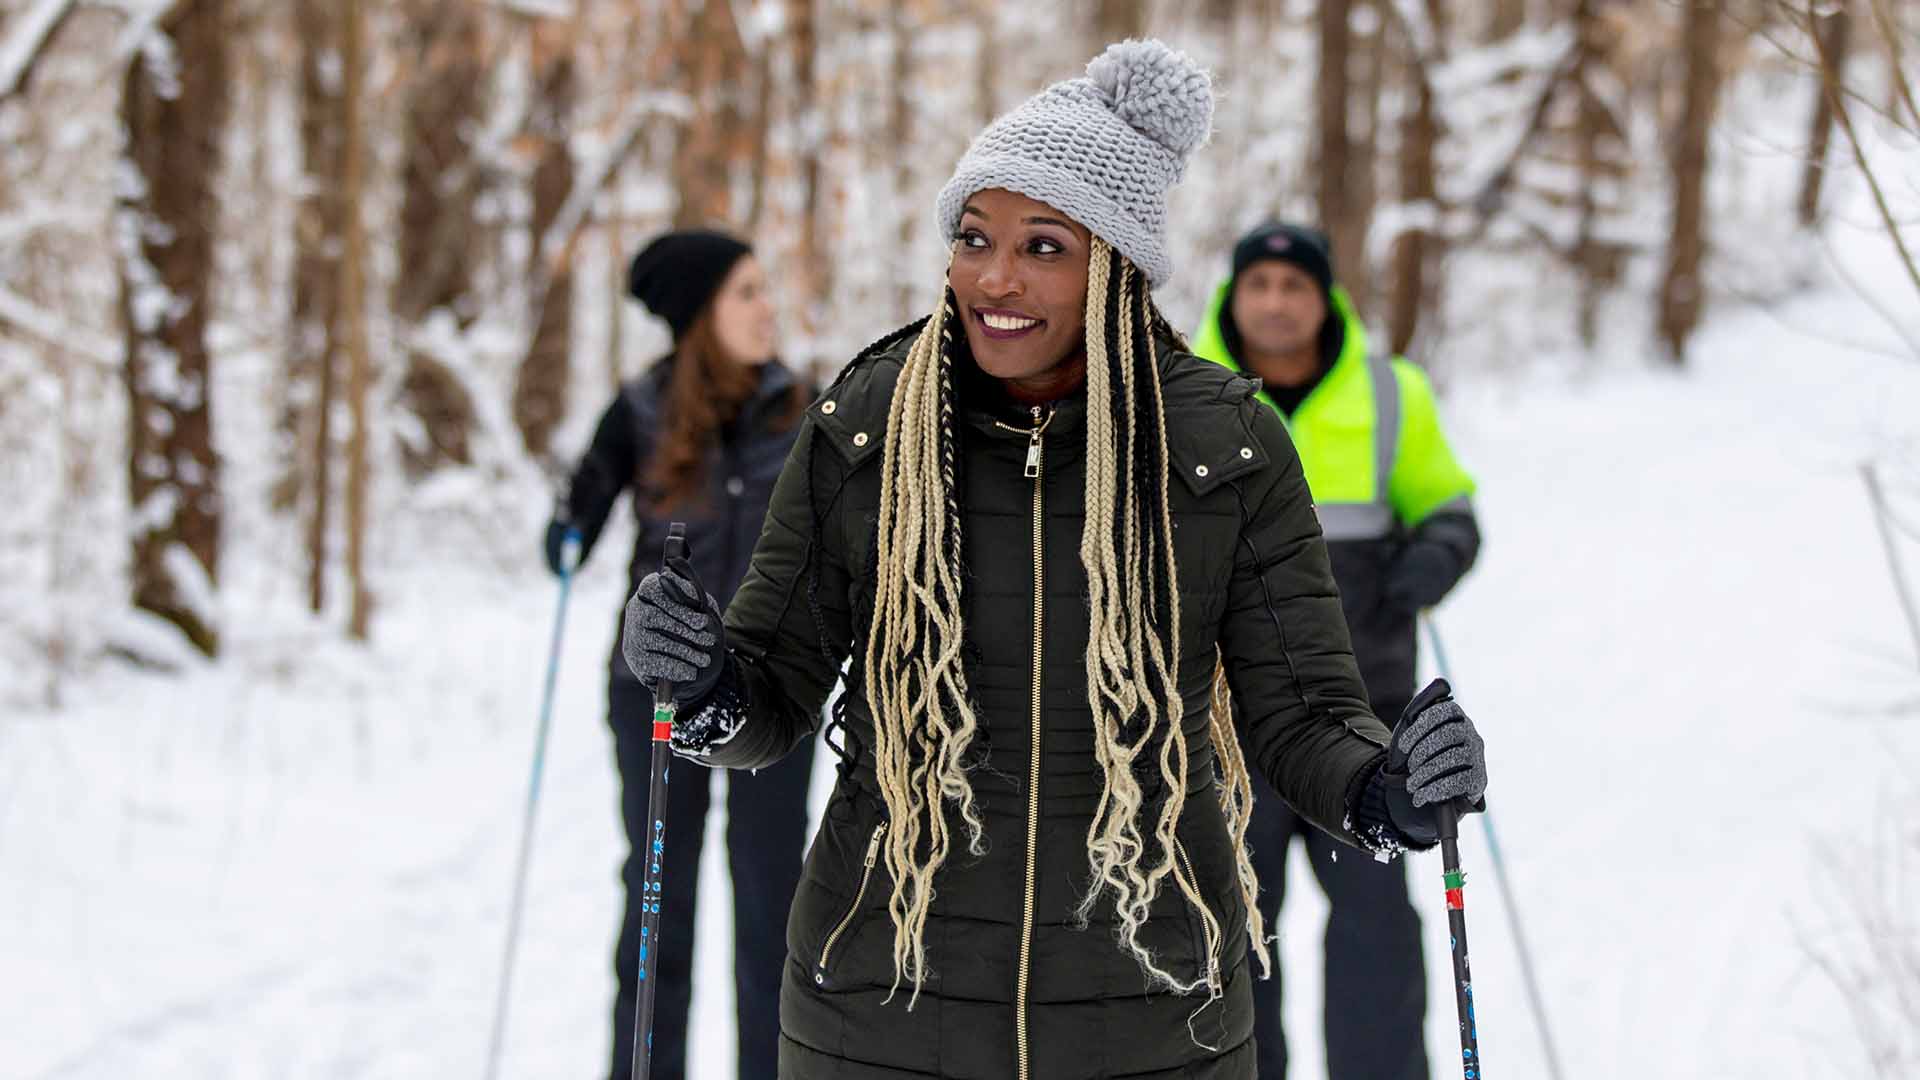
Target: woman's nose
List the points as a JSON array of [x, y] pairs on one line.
[[998, 278]]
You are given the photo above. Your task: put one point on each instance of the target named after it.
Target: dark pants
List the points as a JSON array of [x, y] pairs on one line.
[[766, 830], [1376, 988]]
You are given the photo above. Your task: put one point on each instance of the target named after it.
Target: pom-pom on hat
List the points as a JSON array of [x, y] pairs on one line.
[[1103, 149]]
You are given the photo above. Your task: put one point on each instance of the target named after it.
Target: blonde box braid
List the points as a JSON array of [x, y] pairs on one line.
[[913, 671]]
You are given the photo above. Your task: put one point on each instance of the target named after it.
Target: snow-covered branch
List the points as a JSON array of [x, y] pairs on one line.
[[28, 41], [19, 313], [559, 238]]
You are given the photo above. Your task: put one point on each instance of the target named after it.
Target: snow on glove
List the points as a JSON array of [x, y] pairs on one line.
[[1435, 756], [699, 732], [673, 632]]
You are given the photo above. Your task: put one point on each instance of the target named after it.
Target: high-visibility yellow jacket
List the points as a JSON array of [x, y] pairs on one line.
[[1382, 477]]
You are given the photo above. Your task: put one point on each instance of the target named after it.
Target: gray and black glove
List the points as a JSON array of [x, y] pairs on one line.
[[673, 632], [1435, 756]]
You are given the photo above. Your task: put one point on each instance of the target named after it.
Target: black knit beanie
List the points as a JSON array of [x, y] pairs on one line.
[[678, 273], [1301, 245]]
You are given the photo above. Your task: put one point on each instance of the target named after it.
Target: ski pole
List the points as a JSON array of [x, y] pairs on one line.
[[650, 896], [1449, 820], [1534, 997], [1882, 516], [569, 559]]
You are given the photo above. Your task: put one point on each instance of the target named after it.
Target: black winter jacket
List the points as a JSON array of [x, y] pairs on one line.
[[724, 522], [1255, 582]]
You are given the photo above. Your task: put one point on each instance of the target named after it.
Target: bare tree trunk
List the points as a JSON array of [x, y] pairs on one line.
[[616, 296], [1834, 29], [1415, 249], [307, 419], [710, 142], [1590, 125], [353, 313], [812, 263], [900, 136], [1682, 294], [441, 181], [1336, 170], [540, 391], [175, 114], [1367, 53], [759, 136]]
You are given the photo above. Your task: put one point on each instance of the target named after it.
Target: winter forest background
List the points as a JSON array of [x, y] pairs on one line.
[[304, 306]]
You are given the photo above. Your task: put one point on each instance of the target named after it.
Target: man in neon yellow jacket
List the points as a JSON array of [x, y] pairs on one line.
[[1395, 507]]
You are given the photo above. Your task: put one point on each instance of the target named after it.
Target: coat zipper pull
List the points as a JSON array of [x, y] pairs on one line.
[[1033, 445]]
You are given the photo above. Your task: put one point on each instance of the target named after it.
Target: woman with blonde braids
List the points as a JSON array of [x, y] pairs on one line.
[[1079, 590]]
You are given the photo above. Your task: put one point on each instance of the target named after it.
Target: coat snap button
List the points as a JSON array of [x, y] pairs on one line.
[[1199, 470], [1247, 452], [828, 408], [860, 439], [735, 486]]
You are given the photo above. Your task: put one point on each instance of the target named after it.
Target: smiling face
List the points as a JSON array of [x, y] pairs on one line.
[[1019, 274]]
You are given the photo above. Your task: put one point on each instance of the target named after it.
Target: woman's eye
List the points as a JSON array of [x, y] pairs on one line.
[[1043, 246], [971, 239]]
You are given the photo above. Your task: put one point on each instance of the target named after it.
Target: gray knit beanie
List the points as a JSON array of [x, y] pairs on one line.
[[1103, 149]]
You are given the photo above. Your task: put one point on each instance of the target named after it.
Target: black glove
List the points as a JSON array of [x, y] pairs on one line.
[[673, 632], [1434, 756], [556, 546], [1421, 576]]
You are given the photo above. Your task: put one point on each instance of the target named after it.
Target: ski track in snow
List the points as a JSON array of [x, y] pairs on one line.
[[299, 864]]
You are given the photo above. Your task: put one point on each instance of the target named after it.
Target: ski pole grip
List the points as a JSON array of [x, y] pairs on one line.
[[663, 707], [1447, 816]]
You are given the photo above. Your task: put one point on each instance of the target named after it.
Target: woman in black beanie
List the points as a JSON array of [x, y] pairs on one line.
[[700, 438]]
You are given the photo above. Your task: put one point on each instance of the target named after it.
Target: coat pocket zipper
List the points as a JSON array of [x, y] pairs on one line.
[[853, 909], [1200, 936]]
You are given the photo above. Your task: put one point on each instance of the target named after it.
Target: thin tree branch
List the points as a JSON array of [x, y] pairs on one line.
[[556, 247], [1766, 34], [1890, 33], [1492, 194], [1889, 317]]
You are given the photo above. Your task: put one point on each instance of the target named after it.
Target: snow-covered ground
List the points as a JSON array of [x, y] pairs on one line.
[[1682, 644]]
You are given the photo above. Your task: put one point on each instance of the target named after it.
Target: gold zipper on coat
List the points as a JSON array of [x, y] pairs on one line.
[[1041, 418], [866, 875]]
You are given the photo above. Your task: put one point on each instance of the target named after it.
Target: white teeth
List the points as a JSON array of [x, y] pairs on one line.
[[1008, 322]]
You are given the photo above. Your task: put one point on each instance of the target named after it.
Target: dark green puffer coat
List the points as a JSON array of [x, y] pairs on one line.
[[1254, 580]]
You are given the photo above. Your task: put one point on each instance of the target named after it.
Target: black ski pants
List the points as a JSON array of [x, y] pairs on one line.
[[1376, 989]]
